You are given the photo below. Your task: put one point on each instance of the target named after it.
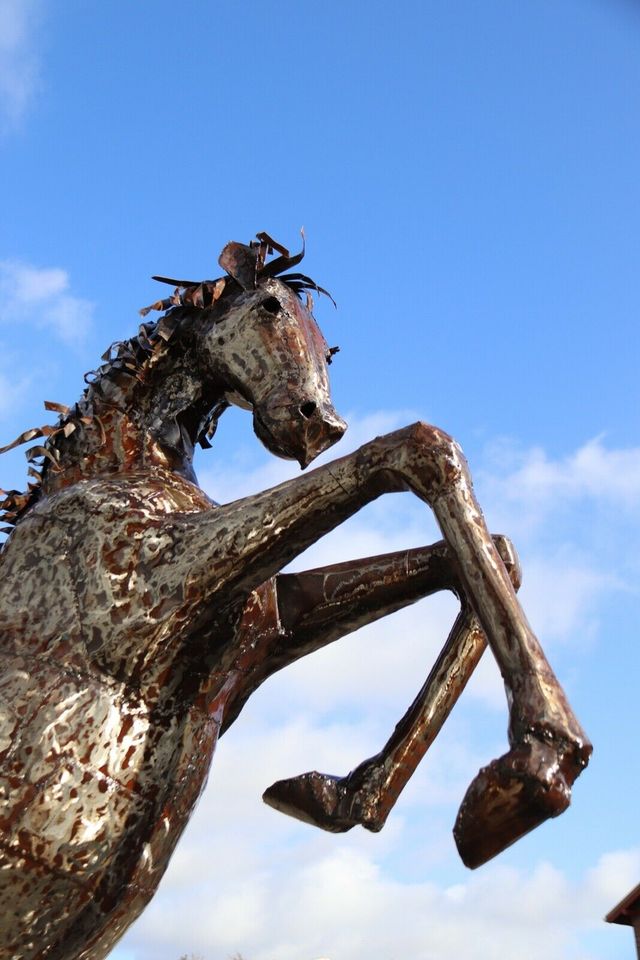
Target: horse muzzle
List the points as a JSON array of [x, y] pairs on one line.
[[322, 427], [299, 431]]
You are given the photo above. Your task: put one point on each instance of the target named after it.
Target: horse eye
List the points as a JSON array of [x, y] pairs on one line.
[[271, 305]]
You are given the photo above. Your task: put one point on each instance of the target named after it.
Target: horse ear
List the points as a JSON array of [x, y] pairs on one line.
[[241, 262]]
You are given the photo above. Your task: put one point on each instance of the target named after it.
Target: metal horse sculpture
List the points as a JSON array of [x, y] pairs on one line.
[[136, 616]]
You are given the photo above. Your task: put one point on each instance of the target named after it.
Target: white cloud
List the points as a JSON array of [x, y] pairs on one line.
[[41, 296], [592, 471], [18, 58], [308, 896], [32, 285], [613, 877], [563, 593], [526, 486], [575, 520]]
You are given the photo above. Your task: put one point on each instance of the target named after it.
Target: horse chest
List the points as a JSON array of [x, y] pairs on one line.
[[98, 774], [96, 787], [94, 794]]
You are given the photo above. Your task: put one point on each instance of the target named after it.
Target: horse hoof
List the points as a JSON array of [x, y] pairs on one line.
[[315, 798], [509, 798]]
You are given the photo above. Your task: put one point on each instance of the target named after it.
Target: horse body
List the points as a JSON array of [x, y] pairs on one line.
[[136, 617], [96, 765]]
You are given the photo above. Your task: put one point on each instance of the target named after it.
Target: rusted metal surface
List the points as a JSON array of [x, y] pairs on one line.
[[137, 617]]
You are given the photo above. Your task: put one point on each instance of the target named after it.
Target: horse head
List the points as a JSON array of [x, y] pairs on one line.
[[261, 347], [272, 359], [245, 339]]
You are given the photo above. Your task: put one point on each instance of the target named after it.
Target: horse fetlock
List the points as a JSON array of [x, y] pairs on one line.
[[370, 809], [368, 798], [540, 711], [569, 744], [551, 752]]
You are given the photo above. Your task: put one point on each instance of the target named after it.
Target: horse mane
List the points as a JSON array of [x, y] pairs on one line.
[[246, 266]]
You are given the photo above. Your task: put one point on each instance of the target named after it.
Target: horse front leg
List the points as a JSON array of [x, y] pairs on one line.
[[295, 614], [319, 606], [549, 749], [315, 604], [258, 536]]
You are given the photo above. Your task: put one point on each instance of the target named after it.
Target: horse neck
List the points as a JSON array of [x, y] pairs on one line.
[[136, 427]]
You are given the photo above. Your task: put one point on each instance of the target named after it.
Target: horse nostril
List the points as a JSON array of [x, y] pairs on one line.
[[308, 409]]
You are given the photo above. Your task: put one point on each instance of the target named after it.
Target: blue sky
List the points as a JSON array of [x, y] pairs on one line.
[[467, 176]]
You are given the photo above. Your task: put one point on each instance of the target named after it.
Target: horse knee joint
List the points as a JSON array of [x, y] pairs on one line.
[[441, 456], [426, 435]]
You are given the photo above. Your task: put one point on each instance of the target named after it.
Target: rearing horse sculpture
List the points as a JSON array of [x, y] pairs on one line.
[[137, 616]]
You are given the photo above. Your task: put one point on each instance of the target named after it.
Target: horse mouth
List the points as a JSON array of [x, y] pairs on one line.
[[274, 444]]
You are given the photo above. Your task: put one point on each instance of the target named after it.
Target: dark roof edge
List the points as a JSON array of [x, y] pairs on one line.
[[628, 910]]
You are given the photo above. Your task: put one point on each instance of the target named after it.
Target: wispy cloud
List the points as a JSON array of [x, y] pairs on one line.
[[19, 73], [575, 517], [533, 480], [40, 296], [564, 591]]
